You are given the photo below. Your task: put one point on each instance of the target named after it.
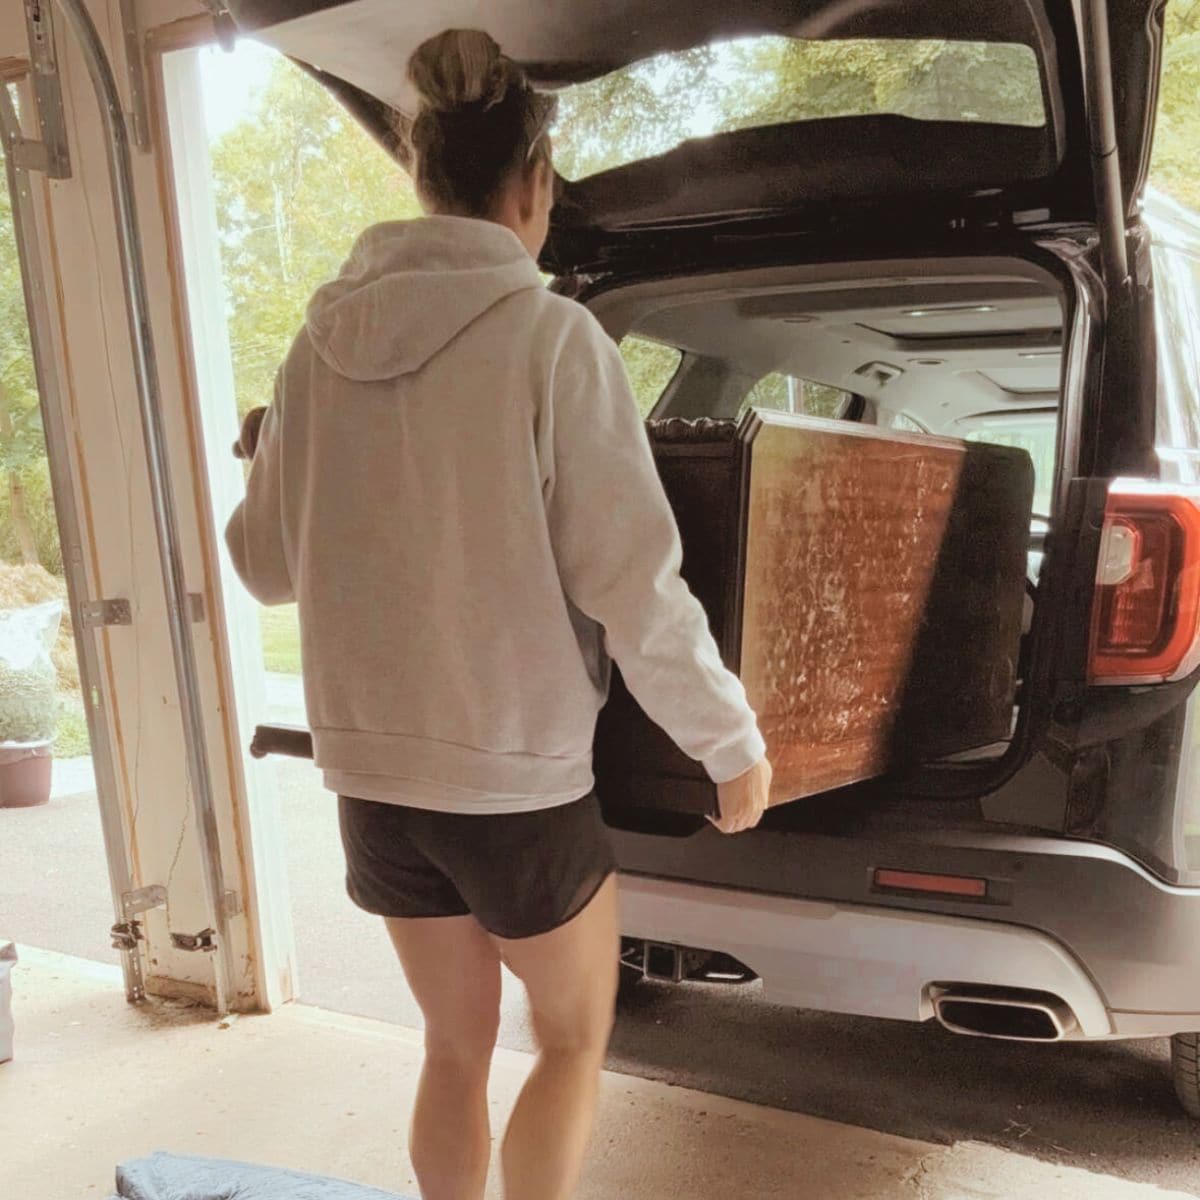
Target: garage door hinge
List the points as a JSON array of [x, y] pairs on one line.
[[126, 935], [205, 941], [144, 899], [96, 613]]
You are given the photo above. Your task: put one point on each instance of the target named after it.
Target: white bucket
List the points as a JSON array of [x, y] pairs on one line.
[[8, 956]]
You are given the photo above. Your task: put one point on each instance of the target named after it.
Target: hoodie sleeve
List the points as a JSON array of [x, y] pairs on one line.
[[618, 552], [254, 534]]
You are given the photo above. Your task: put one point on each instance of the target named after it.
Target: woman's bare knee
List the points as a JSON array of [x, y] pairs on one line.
[[570, 975], [467, 1046], [453, 968], [578, 1035]]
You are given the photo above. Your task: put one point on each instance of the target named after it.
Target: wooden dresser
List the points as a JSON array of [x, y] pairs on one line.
[[867, 586]]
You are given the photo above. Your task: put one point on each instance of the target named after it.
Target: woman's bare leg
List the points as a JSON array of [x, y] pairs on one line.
[[571, 977], [453, 969]]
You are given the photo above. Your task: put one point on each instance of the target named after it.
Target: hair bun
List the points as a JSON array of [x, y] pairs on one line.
[[459, 67]]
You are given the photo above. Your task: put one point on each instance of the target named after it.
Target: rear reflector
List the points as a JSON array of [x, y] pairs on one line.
[[1146, 609], [920, 881]]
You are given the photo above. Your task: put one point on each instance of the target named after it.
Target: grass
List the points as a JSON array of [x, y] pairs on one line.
[[71, 736], [280, 639]]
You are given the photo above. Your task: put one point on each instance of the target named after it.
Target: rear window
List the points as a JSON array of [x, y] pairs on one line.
[[650, 366], [649, 107], [789, 393], [1034, 432]]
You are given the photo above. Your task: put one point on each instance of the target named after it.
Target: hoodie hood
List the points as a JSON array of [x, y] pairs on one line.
[[410, 287]]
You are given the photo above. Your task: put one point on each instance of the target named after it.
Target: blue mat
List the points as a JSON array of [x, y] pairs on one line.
[[182, 1177]]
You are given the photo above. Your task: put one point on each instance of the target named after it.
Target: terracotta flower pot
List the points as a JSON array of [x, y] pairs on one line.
[[25, 775]]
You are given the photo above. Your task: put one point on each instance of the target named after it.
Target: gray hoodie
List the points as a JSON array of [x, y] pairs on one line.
[[455, 485]]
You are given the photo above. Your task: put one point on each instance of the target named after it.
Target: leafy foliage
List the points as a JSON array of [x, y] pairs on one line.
[[71, 738], [28, 684], [22, 447], [651, 106], [1175, 165], [650, 366], [784, 394], [638, 111], [40, 522], [296, 181], [28, 703], [22, 441]]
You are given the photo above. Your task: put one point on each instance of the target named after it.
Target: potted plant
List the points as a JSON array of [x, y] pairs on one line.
[[28, 703]]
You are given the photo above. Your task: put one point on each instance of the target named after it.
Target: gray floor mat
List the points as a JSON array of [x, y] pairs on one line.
[[182, 1177]]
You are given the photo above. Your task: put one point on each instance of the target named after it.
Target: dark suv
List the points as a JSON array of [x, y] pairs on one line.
[[929, 217]]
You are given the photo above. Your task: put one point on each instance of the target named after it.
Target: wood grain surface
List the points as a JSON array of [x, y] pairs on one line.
[[842, 545]]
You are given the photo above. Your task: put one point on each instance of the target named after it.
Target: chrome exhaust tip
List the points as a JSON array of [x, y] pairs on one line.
[[1008, 1014]]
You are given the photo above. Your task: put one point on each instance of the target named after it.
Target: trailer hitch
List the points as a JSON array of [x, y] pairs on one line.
[[669, 963]]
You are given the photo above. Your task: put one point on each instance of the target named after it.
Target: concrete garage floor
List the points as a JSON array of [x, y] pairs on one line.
[[96, 1080], [1104, 1107]]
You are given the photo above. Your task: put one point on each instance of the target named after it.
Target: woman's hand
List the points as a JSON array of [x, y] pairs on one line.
[[247, 441], [742, 801]]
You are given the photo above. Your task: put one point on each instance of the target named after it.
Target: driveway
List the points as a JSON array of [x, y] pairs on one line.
[[1106, 1107]]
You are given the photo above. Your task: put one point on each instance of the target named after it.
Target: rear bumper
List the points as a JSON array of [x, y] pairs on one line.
[[873, 962], [1079, 920]]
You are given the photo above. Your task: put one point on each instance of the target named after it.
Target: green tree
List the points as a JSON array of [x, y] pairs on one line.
[[296, 181], [1175, 165], [22, 448], [651, 106], [793, 394], [650, 366], [784, 79], [635, 112]]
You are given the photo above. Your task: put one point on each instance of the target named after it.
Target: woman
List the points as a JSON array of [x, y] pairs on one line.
[[454, 484]]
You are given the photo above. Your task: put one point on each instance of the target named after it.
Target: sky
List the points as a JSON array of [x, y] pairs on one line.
[[230, 79]]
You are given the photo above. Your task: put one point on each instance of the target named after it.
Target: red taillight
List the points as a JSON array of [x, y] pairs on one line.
[[1147, 602]]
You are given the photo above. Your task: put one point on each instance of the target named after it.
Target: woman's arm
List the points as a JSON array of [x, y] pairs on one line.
[[619, 555]]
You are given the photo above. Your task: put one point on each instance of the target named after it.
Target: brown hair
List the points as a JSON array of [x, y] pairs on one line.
[[478, 121]]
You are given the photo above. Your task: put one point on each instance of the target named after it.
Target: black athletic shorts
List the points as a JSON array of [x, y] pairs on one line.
[[519, 874]]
